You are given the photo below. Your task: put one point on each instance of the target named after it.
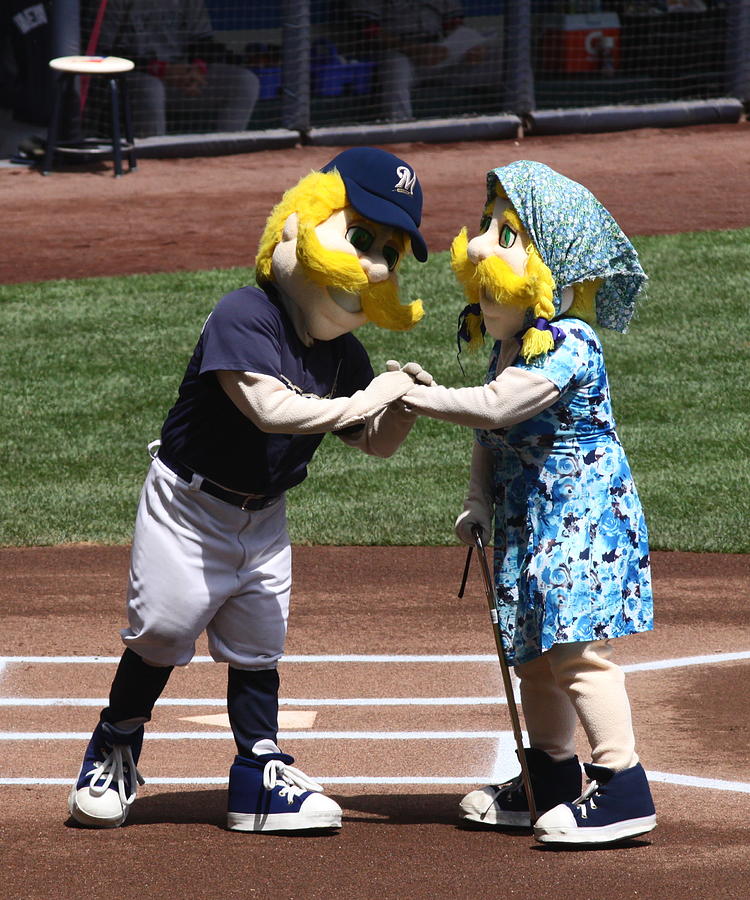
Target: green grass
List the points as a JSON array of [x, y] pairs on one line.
[[89, 369]]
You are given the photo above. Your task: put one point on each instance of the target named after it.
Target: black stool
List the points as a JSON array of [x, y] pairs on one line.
[[113, 68]]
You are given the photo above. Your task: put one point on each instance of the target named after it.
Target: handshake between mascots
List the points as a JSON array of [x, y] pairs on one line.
[[276, 367]]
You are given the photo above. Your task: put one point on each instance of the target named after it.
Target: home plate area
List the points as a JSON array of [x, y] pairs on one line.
[[373, 735]]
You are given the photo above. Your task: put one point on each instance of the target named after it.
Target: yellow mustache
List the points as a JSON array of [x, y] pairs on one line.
[[496, 280], [328, 268], [336, 269], [382, 305]]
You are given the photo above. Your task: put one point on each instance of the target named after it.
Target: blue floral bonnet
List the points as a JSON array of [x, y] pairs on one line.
[[575, 236]]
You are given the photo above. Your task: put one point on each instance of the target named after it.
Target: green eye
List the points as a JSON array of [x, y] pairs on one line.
[[360, 238], [485, 224], [390, 254], [507, 236]]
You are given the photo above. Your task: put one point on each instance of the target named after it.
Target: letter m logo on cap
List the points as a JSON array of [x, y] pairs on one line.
[[406, 180]]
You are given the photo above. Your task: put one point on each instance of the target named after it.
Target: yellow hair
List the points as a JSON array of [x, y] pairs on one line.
[[381, 305], [463, 270], [513, 220], [535, 342], [314, 198], [584, 300]]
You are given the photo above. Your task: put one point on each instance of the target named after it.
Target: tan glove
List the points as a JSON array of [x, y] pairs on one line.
[[384, 432], [478, 505], [275, 409], [420, 375]]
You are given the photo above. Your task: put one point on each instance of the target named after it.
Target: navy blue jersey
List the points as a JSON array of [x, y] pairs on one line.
[[249, 331]]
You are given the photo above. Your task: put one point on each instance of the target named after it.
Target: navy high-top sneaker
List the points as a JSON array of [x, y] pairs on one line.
[[268, 794], [506, 804], [615, 806], [108, 779]]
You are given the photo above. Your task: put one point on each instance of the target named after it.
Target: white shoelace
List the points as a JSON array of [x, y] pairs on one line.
[[112, 769], [586, 798], [294, 782]]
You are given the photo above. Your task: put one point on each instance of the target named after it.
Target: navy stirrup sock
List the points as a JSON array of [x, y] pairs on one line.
[[253, 706], [135, 689]]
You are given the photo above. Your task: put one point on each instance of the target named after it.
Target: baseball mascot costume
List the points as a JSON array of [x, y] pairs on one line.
[[571, 557], [274, 369]]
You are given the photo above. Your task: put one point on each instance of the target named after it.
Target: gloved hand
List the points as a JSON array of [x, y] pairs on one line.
[[476, 514], [478, 505], [420, 375]]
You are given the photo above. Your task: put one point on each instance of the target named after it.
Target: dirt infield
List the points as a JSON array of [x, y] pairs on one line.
[[206, 213], [399, 839]]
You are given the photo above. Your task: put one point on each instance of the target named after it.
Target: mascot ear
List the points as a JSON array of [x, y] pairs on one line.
[[291, 228]]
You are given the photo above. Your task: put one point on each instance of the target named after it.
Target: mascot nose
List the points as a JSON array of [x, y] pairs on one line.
[[376, 270], [478, 249]]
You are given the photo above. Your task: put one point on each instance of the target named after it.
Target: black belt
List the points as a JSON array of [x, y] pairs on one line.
[[236, 498]]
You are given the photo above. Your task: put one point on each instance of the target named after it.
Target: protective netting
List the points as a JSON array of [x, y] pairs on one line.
[[227, 65]]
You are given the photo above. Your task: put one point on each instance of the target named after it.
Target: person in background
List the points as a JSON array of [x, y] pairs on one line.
[[182, 73], [417, 44]]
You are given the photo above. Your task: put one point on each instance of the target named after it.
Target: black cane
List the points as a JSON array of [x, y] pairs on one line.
[[512, 709]]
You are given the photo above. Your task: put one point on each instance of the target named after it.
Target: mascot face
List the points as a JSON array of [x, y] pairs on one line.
[[500, 270], [356, 260], [500, 250], [333, 245]]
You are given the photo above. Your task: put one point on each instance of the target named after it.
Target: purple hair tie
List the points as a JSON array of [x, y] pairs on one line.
[[543, 325]]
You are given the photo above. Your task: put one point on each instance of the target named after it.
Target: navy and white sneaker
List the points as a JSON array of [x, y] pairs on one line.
[[505, 805], [615, 806], [268, 794], [108, 779]]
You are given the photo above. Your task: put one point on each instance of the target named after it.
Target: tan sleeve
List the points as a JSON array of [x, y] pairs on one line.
[[514, 396], [276, 409], [384, 432]]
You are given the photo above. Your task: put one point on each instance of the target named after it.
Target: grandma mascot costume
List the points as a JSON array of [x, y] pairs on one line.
[[571, 558]]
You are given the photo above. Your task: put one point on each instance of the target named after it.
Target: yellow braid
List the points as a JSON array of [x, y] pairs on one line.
[[536, 342]]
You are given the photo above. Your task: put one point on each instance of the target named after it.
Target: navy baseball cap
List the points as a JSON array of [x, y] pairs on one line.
[[383, 188]]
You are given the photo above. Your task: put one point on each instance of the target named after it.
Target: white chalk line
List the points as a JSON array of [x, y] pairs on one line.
[[292, 658], [502, 769], [288, 701], [677, 662], [283, 735], [712, 784]]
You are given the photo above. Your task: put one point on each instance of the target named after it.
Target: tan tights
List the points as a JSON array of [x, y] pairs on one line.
[[578, 683]]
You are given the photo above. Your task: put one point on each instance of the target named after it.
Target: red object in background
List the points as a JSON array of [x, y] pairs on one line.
[[581, 43]]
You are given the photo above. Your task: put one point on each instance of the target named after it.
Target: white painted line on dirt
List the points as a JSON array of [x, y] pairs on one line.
[[679, 662], [291, 718], [686, 780], [716, 784], [506, 765], [283, 735], [708, 659], [316, 658], [289, 701]]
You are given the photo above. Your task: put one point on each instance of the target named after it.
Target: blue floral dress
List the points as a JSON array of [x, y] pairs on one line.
[[571, 546]]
